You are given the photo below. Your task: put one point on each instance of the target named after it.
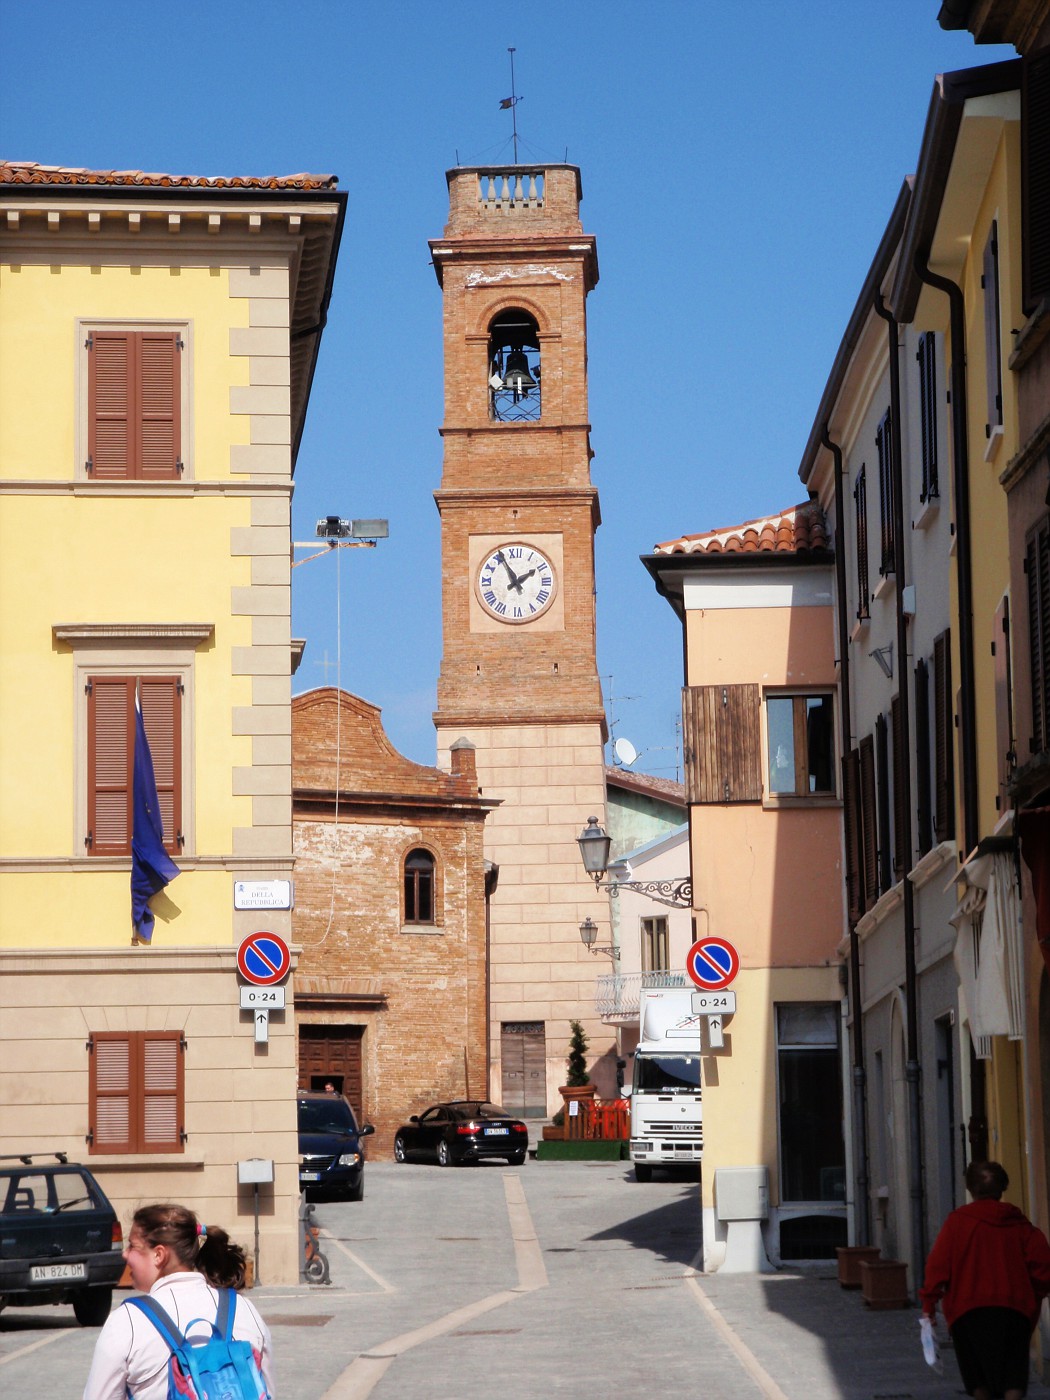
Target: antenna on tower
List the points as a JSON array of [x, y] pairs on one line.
[[512, 102]]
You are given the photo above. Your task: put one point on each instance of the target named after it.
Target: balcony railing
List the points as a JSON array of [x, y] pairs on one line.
[[616, 996], [510, 189]]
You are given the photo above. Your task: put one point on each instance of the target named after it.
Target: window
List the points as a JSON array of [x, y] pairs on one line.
[[419, 888], [1037, 568], [801, 733], [136, 1091], [514, 367], [860, 507], [812, 1147], [887, 494], [654, 945], [927, 358], [134, 404], [993, 353], [111, 755]]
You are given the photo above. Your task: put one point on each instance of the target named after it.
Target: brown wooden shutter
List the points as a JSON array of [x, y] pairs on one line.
[[1004, 718], [1037, 568], [944, 740], [161, 1119], [162, 716], [869, 821], [111, 1079], [853, 820], [134, 405], [993, 370], [723, 751], [882, 780], [159, 406], [860, 501], [1035, 177], [922, 757], [901, 796], [887, 494], [111, 746], [927, 358]]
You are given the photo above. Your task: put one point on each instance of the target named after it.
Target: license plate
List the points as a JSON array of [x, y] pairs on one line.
[[309, 1176], [44, 1273], [495, 1132]]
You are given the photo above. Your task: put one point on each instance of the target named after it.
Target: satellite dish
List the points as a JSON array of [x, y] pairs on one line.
[[625, 752]]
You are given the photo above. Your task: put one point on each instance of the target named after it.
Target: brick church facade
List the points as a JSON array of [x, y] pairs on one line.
[[392, 891]]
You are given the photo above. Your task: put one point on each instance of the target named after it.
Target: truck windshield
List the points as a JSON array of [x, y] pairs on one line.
[[666, 1074]]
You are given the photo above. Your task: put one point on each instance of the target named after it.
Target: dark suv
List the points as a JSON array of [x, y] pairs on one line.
[[60, 1240], [331, 1159]]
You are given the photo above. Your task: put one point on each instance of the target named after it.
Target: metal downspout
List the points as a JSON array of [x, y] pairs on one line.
[[911, 984], [860, 1116], [963, 551]]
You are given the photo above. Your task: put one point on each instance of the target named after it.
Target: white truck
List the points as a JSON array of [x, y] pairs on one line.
[[666, 1116]]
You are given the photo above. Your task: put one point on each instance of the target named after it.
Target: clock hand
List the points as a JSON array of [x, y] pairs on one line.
[[515, 582]]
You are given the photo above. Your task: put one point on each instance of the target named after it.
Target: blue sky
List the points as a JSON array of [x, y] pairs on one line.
[[739, 163]]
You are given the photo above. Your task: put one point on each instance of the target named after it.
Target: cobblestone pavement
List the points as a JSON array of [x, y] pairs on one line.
[[553, 1279]]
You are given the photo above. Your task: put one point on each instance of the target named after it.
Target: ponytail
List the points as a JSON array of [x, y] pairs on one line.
[[206, 1249]]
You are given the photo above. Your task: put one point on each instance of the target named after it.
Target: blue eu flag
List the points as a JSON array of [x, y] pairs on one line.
[[151, 866]]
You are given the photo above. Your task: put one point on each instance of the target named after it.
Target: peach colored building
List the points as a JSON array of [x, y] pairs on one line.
[[760, 732]]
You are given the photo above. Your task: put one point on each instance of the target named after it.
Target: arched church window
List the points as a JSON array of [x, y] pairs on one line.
[[514, 367], [419, 887]]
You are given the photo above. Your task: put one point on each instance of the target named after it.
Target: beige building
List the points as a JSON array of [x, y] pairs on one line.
[[157, 341]]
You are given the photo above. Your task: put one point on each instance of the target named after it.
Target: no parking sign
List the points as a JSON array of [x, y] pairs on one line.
[[263, 958], [712, 963]]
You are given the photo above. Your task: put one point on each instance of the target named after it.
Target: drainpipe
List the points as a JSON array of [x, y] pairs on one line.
[[911, 985], [860, 1117], [963, 553]]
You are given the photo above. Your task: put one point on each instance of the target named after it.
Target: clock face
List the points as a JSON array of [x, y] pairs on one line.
[[516, 583]]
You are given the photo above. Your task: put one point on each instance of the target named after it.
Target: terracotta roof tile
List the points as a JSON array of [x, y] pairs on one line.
[[26, 172], [665, 789], [800, 529]]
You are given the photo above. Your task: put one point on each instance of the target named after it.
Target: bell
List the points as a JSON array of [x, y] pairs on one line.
[[518, 376]]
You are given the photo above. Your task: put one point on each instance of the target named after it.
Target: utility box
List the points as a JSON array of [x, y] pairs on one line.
[[255, 1171], [742, 1193]]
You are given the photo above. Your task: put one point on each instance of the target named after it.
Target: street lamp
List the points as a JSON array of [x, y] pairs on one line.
[[588, 933], [595, 844]]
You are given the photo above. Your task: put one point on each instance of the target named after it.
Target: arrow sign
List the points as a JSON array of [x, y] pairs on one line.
[[712, 963], [263, 958], [262, 1027]]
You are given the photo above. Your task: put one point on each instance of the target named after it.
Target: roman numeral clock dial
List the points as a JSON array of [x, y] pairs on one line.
[[516, 583]]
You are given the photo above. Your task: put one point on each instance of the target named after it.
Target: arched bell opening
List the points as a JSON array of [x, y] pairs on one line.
[[514, 367]]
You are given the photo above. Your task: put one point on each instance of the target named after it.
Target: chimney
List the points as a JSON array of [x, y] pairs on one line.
[[464, 768]]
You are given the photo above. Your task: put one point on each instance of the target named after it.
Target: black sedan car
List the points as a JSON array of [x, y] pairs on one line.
[[465, 1130]]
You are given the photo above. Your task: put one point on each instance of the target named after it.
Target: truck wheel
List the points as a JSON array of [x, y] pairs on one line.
[[643, 1172]]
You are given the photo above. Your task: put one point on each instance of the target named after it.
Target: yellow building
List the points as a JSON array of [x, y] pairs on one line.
[[157, 341]]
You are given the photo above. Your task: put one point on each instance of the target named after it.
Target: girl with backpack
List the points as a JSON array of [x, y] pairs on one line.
[[183, 1266]]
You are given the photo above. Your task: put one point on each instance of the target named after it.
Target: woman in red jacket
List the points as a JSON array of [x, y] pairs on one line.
[[990, 1269]]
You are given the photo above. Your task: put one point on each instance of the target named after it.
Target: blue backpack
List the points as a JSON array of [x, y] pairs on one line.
[[208, 1368]]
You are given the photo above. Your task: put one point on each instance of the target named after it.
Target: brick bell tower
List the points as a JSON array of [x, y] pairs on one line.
[[519, 674]]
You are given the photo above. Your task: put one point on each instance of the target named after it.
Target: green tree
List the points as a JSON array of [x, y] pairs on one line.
[[577, 1063]]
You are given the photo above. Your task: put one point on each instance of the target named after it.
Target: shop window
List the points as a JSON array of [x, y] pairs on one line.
[[812, 1146]]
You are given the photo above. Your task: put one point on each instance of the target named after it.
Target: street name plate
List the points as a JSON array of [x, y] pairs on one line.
[[262, 998], [714, 1003], [262, 894]]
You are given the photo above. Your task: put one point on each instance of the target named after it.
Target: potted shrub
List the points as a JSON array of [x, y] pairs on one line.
[[577, 1084]]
